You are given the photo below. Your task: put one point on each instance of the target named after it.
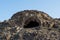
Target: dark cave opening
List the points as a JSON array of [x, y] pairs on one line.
[[31, 24]]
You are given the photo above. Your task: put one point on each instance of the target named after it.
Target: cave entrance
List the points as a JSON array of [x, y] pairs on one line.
[[31, 24]]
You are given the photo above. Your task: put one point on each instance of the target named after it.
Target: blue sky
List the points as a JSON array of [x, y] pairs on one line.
[[9, 7]]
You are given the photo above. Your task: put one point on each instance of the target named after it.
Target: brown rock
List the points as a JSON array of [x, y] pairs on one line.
[[30, 25]]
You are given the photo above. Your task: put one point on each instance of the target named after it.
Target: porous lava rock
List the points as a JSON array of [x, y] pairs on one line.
[[30, 25]]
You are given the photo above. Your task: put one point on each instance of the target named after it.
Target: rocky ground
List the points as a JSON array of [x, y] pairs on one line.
[[30, 25]]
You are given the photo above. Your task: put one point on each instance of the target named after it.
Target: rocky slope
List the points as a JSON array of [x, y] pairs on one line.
[[30, 25]]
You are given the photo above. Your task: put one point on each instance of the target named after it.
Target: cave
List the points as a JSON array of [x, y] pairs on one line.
[[31, 24]]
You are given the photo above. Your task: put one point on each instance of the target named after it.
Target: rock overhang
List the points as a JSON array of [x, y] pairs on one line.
[[30, 24], [33, 14]]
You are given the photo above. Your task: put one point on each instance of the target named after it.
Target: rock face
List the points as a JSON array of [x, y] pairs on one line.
[[30, 25]]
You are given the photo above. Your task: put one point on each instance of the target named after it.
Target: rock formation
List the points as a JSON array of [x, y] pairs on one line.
[[30, 25]]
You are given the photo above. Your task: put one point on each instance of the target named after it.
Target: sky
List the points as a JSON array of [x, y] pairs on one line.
[[10, 7]]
